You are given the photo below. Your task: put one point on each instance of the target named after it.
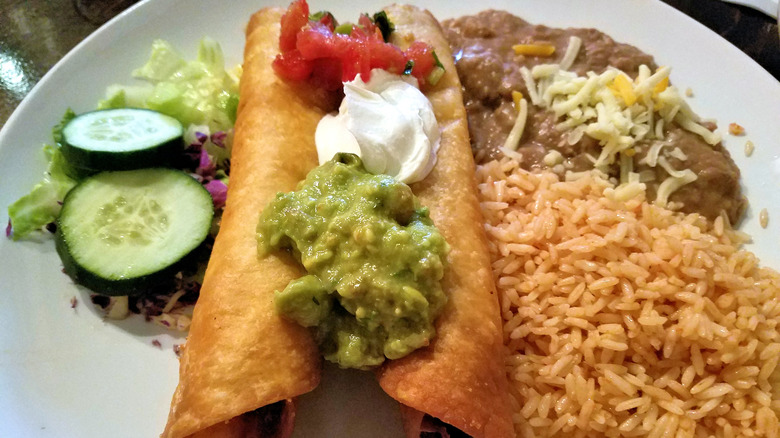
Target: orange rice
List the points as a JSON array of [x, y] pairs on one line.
[[627, 319]]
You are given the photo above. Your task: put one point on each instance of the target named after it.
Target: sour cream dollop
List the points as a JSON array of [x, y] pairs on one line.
[[386, 121]]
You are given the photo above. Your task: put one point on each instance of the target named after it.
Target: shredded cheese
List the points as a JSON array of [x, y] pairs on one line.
[[118, 308], [517, 156], [513, 140], [670, 185], [572, 50], [534, 49], [172, 302], [617, 111], [679, 154], [659, 129], [626, 191], [661, 86], [530, 85], [516, 98], [651, 158], [553, 158], [624, 89]]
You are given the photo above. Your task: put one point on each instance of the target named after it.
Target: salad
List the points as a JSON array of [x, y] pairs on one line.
[[133, 191]]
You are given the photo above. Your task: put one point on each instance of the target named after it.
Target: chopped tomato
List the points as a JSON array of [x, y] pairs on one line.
[[327, 19], [317, 41], [312, 50], [328, 73], [292, 66], [296, 17], [357, 61], [387, 57], [424, 62], [368, 26]]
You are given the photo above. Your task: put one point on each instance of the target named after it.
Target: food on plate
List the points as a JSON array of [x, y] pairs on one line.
[[456, 384], [317, 49], [121, 139], [736, 129], [181, 117], [403, 137], [594, 102], [240, 356], [374, 261], [123, 232], [624, 318], [624, 314], [749, 148], [459, 379]]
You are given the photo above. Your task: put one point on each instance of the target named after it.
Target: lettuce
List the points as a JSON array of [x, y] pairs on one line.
[[125, 96], [42, 205], [199, 92]]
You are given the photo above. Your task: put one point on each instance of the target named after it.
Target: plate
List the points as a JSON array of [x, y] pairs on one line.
[[67, 373], [769, 7]]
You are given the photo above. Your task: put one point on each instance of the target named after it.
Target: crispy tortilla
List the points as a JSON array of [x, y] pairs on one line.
[[460, 377], [241, 356]]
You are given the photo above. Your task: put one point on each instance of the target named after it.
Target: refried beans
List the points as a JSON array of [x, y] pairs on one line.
[[490, 71]]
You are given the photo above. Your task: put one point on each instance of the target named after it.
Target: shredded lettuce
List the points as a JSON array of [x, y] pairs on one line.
[[42, 205], [199, 92], [125, 96], [56, 131], [163, 63]]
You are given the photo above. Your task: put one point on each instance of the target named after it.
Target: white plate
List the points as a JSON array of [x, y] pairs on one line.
[[67, 373], [769, 7]]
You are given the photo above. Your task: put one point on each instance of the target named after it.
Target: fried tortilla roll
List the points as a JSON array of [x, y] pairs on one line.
[[240, 356], [459, 379]]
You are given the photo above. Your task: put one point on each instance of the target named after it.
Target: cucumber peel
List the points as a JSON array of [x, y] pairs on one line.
[[121, 139], [123, 232]]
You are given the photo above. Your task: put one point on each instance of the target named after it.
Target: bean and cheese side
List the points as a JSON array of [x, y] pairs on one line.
[[589, 100]]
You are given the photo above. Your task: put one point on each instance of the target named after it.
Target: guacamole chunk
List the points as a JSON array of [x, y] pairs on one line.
[[374, 261]]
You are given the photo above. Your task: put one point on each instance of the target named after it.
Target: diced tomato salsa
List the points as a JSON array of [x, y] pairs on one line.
[[316, 48]]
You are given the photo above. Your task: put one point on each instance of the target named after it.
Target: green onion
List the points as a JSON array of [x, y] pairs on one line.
[[344, 29], [436, 60], [435, 75]]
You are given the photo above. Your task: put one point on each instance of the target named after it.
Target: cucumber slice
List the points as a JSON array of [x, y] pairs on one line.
[[120, 233], [121, 139]]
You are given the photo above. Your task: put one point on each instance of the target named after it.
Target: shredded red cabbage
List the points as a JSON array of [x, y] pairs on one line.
[[218, 138], [9, 230], [200, 138], [218, 191], [207, 166]]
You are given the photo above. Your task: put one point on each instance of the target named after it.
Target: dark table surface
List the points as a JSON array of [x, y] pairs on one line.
[[35, 34]]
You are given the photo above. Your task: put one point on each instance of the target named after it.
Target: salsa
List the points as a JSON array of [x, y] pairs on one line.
[[315, 47], [374, 261]]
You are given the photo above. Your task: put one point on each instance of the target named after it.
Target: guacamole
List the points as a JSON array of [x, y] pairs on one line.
[[374, 261]]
